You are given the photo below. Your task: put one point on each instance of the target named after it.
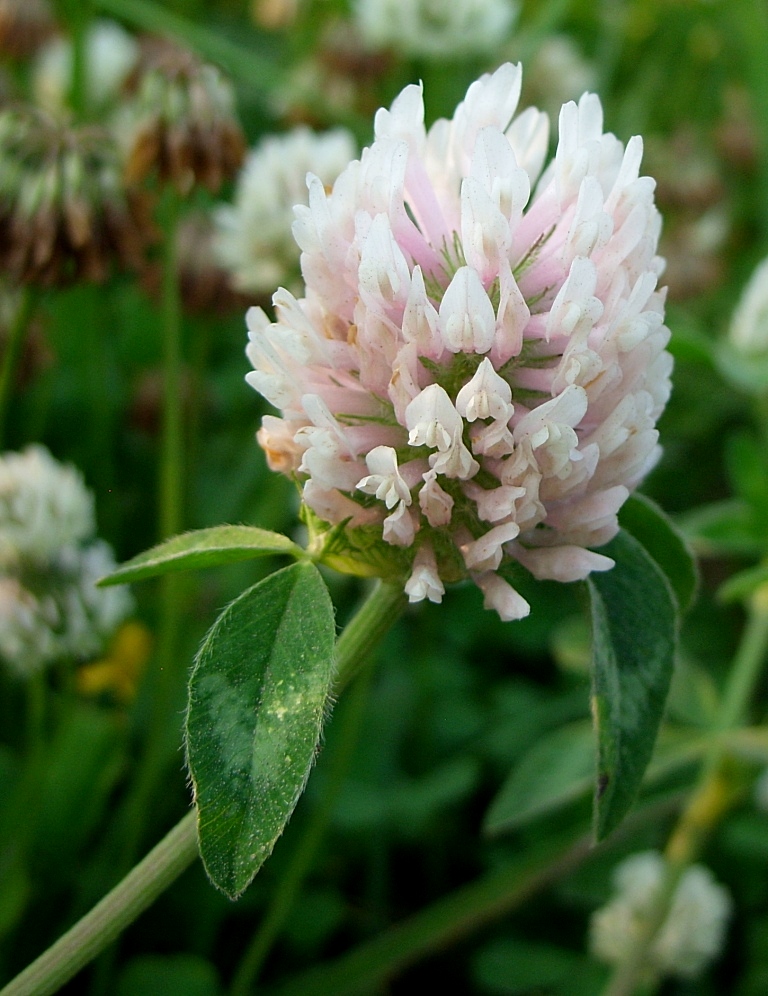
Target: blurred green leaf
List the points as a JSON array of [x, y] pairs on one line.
[[85, 760], [257, 697], [203, 548], [174, 975], [634, 636], [693, 697], [643, 519], [748, 472], [743, 584], [724, 527], [748, 373], [750, 743], [560, 768], [512, 966]]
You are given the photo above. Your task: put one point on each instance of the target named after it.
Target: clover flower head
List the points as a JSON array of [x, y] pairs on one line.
[[474, 373], [254, 234], [435, 28], [692, 934], [44, 506], [50, 608]]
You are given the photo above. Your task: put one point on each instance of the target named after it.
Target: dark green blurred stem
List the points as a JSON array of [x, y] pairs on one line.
[[308, 846], [164, 680], [170, 515], [235, 59], [37, 696], [119, 908], [751, 17], [77, 14], [11, 356], [172, 452]]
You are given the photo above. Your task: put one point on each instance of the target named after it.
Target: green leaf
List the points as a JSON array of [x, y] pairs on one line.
[[643, 519], [729, 526], [558, 769], [169, 975], [634, 631], [743, 584], [257, 696], [203, 548]]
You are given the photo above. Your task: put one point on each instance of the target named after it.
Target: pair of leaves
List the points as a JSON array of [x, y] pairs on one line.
[[257, 695]]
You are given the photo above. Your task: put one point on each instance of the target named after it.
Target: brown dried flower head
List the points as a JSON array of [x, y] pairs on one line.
[[181, 125], [24, 26], [64, 213]]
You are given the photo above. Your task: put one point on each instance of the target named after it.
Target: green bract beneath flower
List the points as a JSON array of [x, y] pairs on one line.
[[476, 369]]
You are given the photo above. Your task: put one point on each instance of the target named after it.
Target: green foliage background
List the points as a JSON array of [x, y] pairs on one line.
[[459, 700]]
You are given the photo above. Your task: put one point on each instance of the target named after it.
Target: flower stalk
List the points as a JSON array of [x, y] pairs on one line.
[[12, 354], [120, 907]]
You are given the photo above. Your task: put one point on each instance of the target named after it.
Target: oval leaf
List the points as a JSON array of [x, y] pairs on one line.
[[634, 631], [644, 520], [203, 548], [744, 584], [257, 697], [558, 769]]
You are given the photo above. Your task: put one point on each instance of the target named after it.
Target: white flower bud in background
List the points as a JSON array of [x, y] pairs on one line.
[[559, 72], [749, 325], [50, 607], [693, 932], [44, 506], [254, 234], [111, 54], [435, 28]]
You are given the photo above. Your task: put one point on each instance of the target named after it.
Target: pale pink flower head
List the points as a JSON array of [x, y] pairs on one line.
[[475, 372]]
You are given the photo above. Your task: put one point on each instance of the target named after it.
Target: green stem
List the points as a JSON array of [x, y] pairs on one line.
[[751, 17], [78, 93], [11, 355], [237, 60], [172, 451], [301, 860], [710, 799], [37, 695], [365, 630], [369, 967], [165, 678], [117, 910], [170, 516]]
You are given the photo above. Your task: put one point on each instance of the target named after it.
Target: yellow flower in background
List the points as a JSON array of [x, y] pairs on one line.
[[118, 673]]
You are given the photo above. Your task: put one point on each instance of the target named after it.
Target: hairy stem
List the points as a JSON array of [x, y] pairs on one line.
[[117, 910]]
